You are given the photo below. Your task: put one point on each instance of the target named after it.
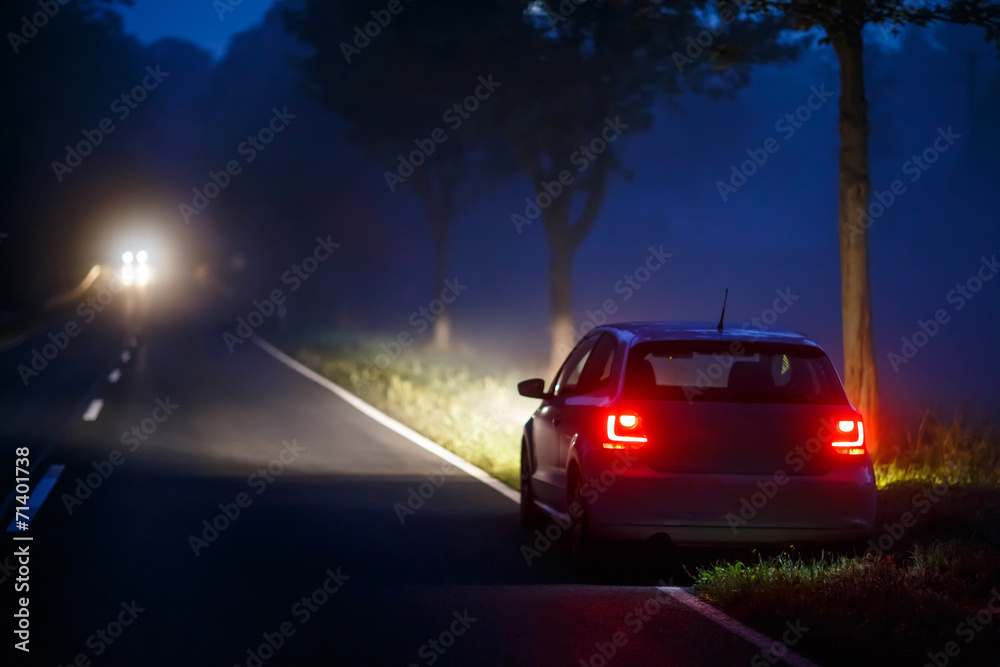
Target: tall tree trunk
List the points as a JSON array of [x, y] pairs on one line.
[[436, 188], [564, 236], [561, 289], [442, 325], [859, 349]]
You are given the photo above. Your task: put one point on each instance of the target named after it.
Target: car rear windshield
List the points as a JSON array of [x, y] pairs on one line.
[[731, 371]]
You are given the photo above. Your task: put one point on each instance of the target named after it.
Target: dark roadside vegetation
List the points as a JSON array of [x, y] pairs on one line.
[[925, 595]]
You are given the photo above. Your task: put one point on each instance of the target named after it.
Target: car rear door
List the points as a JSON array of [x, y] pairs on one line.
[[548, 427], [582, 398]]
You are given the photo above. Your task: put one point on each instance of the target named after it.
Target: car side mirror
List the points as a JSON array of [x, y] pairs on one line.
[[534, 388]]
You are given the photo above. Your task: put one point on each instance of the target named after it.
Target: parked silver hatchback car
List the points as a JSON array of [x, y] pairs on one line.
[[702, 435]]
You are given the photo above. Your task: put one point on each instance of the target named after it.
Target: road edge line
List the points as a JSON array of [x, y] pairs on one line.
[[51, 443], [758, 639], [390, 423]]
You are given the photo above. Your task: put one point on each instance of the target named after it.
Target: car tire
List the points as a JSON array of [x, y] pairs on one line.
[[530, 514], [583, 545]]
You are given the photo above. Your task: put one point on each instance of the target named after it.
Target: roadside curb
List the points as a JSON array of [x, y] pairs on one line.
[[760, 640]]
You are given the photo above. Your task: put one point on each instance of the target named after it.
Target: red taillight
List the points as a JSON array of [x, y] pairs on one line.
[[849, 437], [625, 431]]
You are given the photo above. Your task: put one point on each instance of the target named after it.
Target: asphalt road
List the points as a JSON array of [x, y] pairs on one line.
[[138, 556]]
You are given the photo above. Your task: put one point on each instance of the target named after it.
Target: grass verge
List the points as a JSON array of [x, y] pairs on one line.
[[942, 451], [915, 591], [457, 400], [874, 610]]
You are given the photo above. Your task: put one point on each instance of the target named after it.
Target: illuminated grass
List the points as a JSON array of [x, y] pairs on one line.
[[871, 610], [456, 400], [940, 452]]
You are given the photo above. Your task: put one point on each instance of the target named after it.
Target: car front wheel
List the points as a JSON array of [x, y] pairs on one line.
[[529, 512]]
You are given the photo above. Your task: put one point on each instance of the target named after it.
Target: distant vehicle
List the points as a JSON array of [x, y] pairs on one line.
[[706, 436]]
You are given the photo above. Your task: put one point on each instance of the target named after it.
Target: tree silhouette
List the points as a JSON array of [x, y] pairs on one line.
[[58, 75], [842, 23], [585, 78], [572, 80], [404, 87]]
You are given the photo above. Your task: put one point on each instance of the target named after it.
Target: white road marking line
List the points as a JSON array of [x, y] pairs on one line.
[[38, 496], [50, 444], [126, 355], [391, 423], [114, 375], [761, 641], [93, 410]]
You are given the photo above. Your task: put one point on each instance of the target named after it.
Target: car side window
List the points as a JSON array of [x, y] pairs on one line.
[[572, 369], [597, 371]]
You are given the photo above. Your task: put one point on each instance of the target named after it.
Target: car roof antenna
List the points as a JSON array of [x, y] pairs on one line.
[[723, 315]]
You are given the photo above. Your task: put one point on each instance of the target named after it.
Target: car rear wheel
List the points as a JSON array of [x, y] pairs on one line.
[[529, 511], [583, 546]]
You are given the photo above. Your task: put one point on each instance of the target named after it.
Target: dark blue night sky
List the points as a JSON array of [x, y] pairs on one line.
[[207, 24]]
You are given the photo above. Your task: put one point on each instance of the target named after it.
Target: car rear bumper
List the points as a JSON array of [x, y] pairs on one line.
[[726, 509]]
